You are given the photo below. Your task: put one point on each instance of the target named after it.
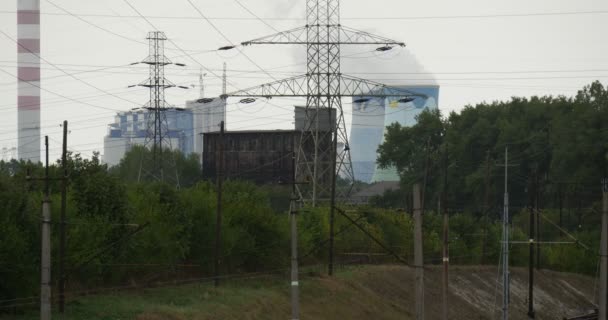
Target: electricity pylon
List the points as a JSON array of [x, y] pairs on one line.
[[318, 159], [158, 134]]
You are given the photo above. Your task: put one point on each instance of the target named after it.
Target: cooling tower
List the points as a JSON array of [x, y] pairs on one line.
[[369, 122], [28, 100]]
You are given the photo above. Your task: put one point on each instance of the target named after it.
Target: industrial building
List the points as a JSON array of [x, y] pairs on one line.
[[207, 114], [185, 128], [370, 119], [264, 156], [130, 128]]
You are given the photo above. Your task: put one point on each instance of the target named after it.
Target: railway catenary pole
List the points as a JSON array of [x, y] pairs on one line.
[[446, 230], [218, 208], [603, 296], [418, 255], [62, 225], [293, 210], [532, 200], [537, 215], [486, 209], [505, 243], [45, 255]]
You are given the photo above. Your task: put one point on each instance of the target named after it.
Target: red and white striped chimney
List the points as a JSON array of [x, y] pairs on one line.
[[28, 101]]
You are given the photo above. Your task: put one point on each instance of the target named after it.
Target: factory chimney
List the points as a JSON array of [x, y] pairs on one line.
[[28, 100]]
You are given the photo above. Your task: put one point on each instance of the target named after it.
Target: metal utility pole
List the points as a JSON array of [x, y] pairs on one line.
[[486, 209], [323, 85], [532, 197], [505, 243], [62, 225], [561, 205], [158, 137], [603, 312], [446, 243], [224, 80], [537, 215], [218, 210], [45, 256], [418, 260], [295, 285]]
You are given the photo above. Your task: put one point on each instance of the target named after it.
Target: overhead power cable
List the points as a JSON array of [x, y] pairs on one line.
[[61, 95], [79, 17], [61, 70], [174, 44], [256, 16], [370, 18], [228, 40]]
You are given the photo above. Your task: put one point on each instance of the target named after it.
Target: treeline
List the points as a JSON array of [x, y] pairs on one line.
[[121, 232], [561, 142], [557, 158], [125, 232]]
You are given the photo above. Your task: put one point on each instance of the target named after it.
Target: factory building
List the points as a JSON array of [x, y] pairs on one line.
[[264, 156], [130, 128], [185, 128], [369, 122]]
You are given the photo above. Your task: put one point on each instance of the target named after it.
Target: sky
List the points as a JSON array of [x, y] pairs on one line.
[[476, 50]]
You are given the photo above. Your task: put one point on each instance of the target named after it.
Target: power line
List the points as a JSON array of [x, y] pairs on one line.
[[174, 44], [227, 39], [370, 18], [60, 95], [61, 70], [79, 17]]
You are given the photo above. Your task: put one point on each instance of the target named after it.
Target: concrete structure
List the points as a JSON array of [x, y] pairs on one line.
[[130, 128], [369, 122], [28, 100], [207, 113]]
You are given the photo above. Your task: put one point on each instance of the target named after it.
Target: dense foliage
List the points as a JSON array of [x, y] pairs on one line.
[[121, 231]]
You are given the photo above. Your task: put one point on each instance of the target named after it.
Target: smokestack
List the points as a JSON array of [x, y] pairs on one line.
[[28, 100]]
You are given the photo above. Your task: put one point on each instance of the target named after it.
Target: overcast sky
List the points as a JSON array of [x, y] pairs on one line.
[[475, 50]]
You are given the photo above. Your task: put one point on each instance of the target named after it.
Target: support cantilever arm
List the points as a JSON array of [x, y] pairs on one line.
[[354, 36], [353, 87], [291, 87], [297, 87], [347, 36], [293, 36]]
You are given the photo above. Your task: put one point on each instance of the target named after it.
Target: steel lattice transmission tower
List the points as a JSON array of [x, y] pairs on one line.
[[318, 159], [158, 138]]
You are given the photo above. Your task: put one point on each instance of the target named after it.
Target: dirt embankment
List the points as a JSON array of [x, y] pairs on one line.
[[387, 292]]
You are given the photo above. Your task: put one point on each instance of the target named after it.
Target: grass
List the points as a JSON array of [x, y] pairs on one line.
[[176, 302], [369, 292]]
